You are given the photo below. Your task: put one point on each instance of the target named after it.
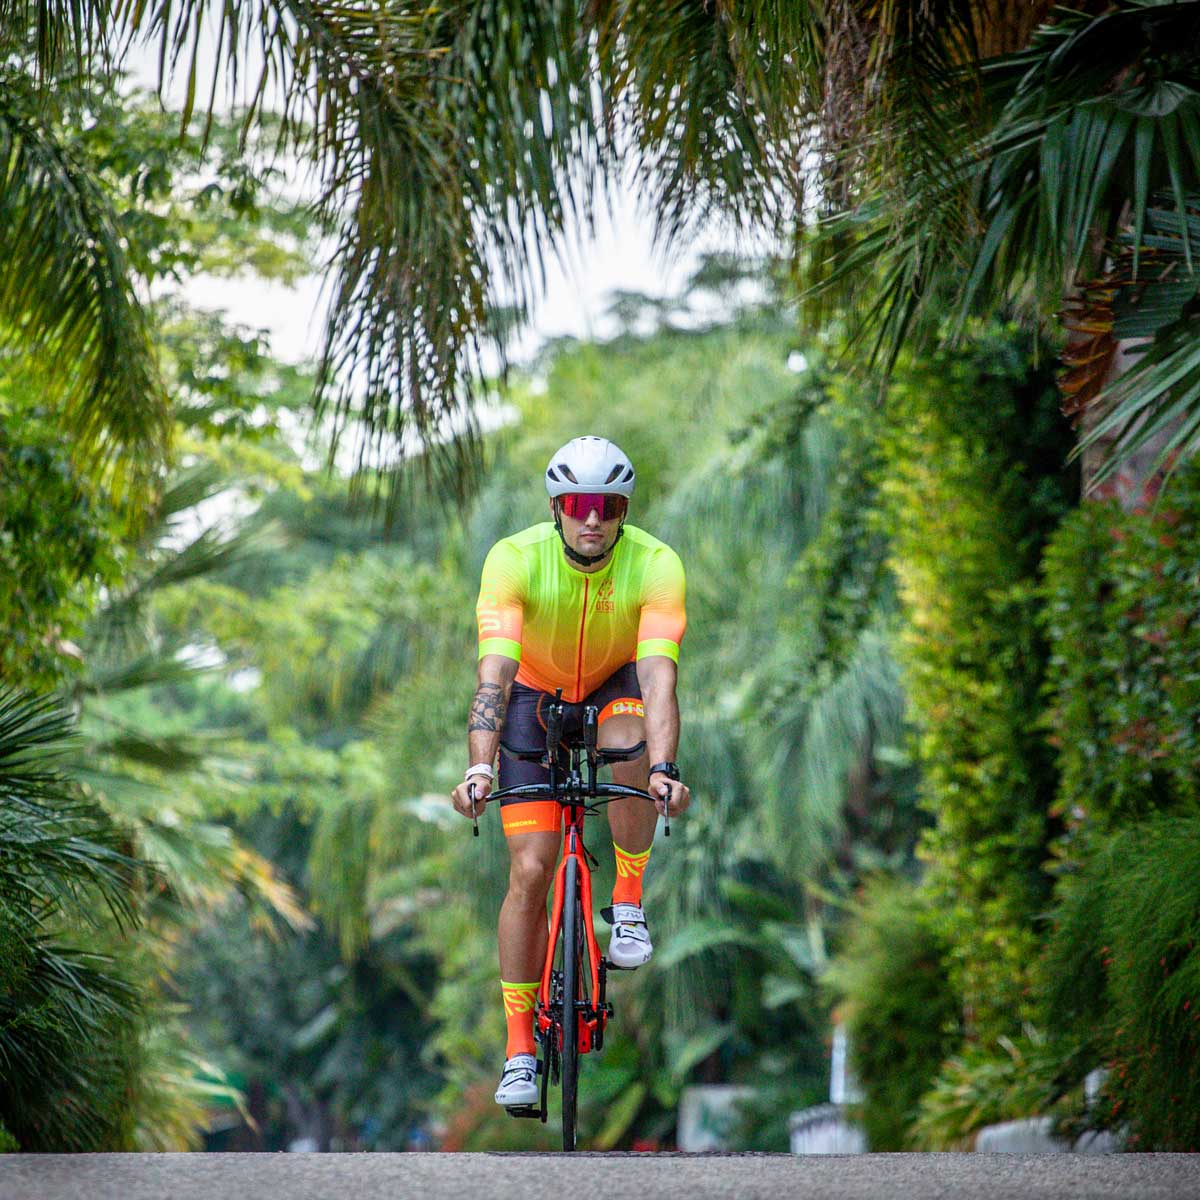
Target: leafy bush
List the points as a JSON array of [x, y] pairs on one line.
[[69, 1019], [973, 482], [901, 1014], [58, 544], [1121, 614], [1012, 1078], [1123, 969]]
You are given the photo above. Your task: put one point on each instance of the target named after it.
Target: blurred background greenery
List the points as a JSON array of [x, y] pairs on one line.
[[940, 710]]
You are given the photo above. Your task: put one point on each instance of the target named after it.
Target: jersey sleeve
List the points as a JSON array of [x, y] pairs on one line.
[[664, 617], [500, 611]]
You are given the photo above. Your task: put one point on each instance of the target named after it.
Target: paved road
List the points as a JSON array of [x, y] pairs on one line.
[[604, 1176]]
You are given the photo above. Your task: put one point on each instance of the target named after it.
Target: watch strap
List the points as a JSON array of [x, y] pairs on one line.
[[669, 769]]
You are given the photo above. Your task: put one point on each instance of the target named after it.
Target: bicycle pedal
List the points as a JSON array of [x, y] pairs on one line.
[[524, 1110], [612, 966]]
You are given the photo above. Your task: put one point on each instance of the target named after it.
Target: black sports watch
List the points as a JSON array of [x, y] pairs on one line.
[[669, 769]]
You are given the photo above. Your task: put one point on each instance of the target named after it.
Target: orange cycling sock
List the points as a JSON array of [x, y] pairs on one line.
[[628, 888], [520, 999]]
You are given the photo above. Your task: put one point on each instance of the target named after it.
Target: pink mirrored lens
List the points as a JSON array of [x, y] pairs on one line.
[[578, 505]]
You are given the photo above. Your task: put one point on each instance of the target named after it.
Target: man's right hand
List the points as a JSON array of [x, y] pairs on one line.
[[462, 795]]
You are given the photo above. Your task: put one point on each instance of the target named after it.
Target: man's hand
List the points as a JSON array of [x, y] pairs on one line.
[[462, 795], [679, 795]]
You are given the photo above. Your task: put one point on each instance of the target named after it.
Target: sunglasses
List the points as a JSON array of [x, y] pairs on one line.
[[578, 505]]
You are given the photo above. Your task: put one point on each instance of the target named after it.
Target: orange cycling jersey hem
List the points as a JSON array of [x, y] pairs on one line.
[[531, 816]]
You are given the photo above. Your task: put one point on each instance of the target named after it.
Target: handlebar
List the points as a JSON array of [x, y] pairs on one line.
[[602, 793], [596, 793], [605, 793]]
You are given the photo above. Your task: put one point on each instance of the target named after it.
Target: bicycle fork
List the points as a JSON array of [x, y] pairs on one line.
[[572, 885]]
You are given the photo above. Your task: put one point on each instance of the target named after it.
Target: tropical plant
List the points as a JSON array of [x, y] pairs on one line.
[[70, 1016], [892, 990], [971, 491], [1120, 615], [982, 1085], [68, 300], [1123, 979], [1053, 175], [454, 145]]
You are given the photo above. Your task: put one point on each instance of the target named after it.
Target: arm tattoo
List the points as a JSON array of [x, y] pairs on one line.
[[487, 709]]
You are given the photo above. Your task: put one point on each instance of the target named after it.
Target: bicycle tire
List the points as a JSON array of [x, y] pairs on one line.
[[570, 1016]]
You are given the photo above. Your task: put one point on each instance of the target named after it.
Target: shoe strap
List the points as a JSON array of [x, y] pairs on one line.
[[631, 933], [627, 914], [517, 1067]]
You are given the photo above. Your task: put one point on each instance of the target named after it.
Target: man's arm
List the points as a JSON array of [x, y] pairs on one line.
[[656, 677], [484, 726]]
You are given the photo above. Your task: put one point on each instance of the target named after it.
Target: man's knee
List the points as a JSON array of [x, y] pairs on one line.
[[530, 875]]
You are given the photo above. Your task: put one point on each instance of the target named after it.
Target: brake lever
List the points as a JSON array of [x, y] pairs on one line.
[[667, 814], [474, 815]]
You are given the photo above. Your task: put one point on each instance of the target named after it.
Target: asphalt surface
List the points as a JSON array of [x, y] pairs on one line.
[[604, 1176]]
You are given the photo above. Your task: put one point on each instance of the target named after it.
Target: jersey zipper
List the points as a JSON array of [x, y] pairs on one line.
[[579, 652]]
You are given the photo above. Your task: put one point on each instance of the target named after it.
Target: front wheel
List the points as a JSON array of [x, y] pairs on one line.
[[570, 994]]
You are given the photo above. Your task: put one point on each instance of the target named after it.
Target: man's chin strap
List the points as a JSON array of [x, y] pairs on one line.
[[584, 560]]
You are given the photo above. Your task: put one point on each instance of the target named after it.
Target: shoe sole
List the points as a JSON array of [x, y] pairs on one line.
[[631, 967]]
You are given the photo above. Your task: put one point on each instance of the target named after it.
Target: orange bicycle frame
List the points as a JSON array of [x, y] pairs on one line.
[[593, 1023]]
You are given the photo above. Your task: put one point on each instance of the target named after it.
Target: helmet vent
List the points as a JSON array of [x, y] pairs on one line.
[[570, 475], [613, 473]]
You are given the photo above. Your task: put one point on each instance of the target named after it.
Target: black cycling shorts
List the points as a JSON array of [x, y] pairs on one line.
[[525, 726]]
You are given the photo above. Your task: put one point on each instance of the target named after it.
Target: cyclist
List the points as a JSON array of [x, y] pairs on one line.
[[596, 607]]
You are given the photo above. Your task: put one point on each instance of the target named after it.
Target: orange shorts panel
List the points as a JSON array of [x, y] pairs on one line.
[[625, 706], [531, 816]]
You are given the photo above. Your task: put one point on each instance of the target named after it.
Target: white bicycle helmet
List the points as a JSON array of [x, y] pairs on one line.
[[590, 464]]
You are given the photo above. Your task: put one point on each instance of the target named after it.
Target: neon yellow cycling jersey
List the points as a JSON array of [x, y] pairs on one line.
[[569, 629]]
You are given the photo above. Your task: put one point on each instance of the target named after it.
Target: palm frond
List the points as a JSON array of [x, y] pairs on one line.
[[66, 290], [144, 670], [1152, 293], [55, 848], [715, 100], [1090, 133]]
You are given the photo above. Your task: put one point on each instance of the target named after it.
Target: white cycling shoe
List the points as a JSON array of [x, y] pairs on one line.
[[630, 946], [518, 1082]]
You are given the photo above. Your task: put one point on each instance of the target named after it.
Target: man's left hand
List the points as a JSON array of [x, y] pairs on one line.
[[679, 795]]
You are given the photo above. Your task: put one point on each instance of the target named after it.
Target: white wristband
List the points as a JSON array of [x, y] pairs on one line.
[[480, 769]]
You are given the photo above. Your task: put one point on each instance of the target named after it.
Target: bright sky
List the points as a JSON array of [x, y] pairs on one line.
[[579, 283], [620, 256]]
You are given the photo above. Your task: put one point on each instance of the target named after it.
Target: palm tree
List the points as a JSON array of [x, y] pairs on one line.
[[1064, 174], [66, 1013], [68, 301], [453, 146]]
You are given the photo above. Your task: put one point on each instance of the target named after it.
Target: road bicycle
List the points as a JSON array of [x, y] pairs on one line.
[[572, 1004]]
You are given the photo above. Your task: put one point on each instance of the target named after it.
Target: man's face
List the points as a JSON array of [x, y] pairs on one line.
[[591, 536]]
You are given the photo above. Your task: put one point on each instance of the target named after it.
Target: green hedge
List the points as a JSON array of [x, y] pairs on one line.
[[1122, 602], [893, 992], [973, 483], [1123, 970]]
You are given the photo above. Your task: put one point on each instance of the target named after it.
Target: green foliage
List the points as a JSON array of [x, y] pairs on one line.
[[70, 1018], [1017, 1077], [59, 542], [1120, 596], [892, 987], [68, 302], [1013, 178], [971, 489], [1123, 971]]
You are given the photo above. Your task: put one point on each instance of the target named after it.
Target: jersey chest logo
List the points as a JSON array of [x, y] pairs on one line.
[[604, 598]]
